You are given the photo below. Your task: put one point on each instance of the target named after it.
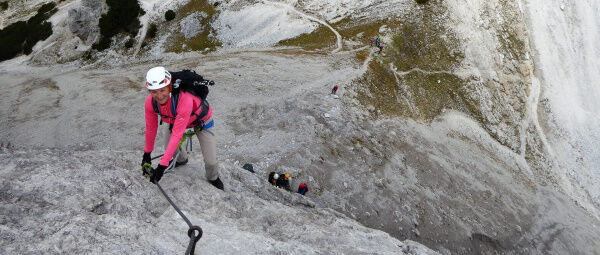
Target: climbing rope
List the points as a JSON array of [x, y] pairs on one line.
[[192, 228], [186, 136], [147, 168]]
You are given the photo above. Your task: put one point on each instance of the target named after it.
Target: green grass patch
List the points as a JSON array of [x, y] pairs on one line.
[[361, 56], [418, 95], [432, 93], [425, 52], [512, 32], [348, 28], [424, 44], [203, 40], [320, 38], [378, 88], [512, 45]]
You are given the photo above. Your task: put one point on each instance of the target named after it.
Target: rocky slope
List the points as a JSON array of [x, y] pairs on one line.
[[66, 201], [85, 192]]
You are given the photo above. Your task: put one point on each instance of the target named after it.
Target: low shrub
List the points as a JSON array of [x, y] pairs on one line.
[[122, 16], [169, 15], [152, 30], [129, 43], [21, 36]]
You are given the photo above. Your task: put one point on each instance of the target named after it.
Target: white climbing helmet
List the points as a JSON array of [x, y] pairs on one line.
[[157, 77]]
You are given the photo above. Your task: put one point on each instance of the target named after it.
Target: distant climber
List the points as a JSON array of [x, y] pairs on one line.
[[284, 181], [378, 41], [273, 176], [280, 180], [380, 46], [302, 188], [180, 110], [335, 89]]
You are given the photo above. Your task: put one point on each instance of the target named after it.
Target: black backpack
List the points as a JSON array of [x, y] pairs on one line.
[[193, 83], [190, 81]]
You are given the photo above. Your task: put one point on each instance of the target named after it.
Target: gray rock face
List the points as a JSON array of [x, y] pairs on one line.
[[191, 26], [69, 48], [83, 21], [98, 203]]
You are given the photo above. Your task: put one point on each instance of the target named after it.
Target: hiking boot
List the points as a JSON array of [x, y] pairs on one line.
[[217, 183], [181, 163]]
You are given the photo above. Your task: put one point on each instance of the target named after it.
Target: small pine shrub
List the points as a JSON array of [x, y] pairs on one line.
[[47, 8], [20, 37], [152, 30], [37, 32], [11, 40], [129, 43], [122, 16], [422, 1], [103, 44], [169, 15], [88, 55], [4, 5]]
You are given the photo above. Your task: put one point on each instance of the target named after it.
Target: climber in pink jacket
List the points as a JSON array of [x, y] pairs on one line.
[[180, 110]]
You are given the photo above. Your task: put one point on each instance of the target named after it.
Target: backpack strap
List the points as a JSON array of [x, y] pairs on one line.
[[198, 123], [174, 100]]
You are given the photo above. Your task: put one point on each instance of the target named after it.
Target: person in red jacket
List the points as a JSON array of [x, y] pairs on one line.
[[335, 89], [180, 112], [302, 188]]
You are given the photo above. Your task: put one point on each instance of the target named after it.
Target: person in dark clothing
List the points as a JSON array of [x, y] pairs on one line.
[[302, 188], [284, 181], [380, 48], [335, 89]]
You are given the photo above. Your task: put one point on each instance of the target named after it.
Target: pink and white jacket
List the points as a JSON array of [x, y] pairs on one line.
[[184, 119]]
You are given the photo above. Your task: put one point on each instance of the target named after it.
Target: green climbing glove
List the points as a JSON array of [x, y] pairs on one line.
[[147, 169]]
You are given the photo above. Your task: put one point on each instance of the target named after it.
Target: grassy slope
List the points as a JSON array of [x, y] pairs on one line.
[[202, 41]]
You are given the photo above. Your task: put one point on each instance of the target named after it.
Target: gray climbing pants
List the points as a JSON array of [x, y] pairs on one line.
[[208, 148]]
